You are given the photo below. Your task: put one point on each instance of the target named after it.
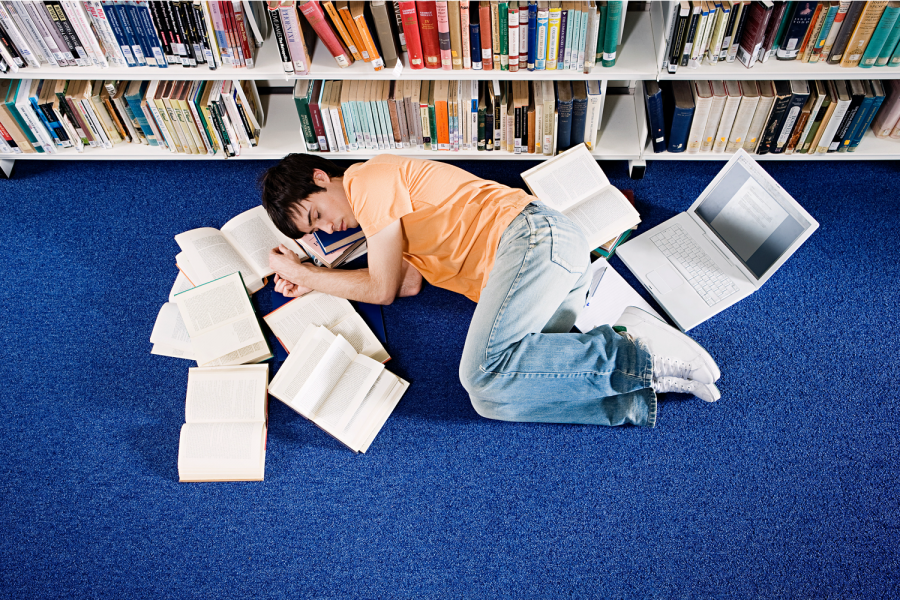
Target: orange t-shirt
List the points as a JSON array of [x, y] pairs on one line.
[[452, 220]]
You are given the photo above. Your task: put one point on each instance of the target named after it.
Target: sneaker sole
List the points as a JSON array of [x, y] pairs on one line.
[[646, 317]]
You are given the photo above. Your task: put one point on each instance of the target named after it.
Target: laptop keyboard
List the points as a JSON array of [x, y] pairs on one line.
[[702, 273]]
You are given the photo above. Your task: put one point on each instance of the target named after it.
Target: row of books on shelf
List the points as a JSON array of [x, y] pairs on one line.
[[519, 117], [133, 33], [806, 117], [849, 34], [458, 35], [184, 117]]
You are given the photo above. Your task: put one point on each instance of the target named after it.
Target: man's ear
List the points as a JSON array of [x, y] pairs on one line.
[[320, 177]]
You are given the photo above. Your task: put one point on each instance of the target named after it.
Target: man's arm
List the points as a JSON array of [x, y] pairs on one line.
[[379, 284]]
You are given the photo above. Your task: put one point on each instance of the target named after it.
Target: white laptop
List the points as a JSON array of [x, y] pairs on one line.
[[730, 241]]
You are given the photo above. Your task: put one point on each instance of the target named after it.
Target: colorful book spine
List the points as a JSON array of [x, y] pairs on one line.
[[611, 37], [514, 43], [554, 20], [543, 23], [503, 26], [886, 25], [431, 47], [443, 31], [316, 18], [487, 52], [410, 22], [890, 45], [465, 33], [532, 35]]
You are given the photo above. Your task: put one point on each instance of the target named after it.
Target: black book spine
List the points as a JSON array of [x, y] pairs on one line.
[[190, 32], [398, 17], [677, 43], [196, 37], [790, 119], [183, 35], [729, 25], [62, 29], [842, 129], [174, 32], [58, 131], [739, 31], [178, 34], [163, 28], [846, 30], [689, 36], [70, 31], [204, 37], [278, 32], [776, 119], [11, 48]]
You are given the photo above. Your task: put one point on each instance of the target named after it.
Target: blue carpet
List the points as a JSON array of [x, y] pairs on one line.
[[784, 488]]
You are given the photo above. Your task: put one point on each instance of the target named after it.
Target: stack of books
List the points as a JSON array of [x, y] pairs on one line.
[[183, 117], [456, 35], [334, 249], [136, 33], [849, 34], [518, 117], [803, 117]]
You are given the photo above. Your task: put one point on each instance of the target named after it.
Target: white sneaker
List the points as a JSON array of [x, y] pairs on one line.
[[674, 353], [704, 391]]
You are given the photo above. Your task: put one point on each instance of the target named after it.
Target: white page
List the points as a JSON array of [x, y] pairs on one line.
[[181, 284], [221, 451], [220, 319], [254, 235], [373, 411], [289, 322], [336, 409], [608, 298], [169, 329], [357, 332], [565, 180], [220, 394], [163, 350], [325, 376], [211, 256], [185, 269], [603, 216], [300, 365]]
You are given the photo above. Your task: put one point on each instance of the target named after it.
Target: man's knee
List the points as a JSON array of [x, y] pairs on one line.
[[476, 383]]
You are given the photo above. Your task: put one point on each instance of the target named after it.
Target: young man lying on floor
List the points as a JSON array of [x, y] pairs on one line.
[[522, 262]]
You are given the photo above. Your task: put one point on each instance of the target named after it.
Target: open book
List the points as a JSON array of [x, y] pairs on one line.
[[289, 323], [348, 395], [221, 323], [242, 244], [170, 336], [575, 185], [224, 434]]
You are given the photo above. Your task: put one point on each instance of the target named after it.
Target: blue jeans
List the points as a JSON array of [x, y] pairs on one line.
[[520, 361]]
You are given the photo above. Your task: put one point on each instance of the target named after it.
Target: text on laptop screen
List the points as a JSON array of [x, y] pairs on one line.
[[752, 218]]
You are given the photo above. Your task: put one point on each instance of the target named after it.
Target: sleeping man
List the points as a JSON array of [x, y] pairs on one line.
[[524, 264]]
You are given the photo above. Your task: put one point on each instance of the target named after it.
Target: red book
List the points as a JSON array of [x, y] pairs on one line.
[[484, 19], [241, 27], [411, 32], [230, 35], [316, 115], [431, 47], [316, 17]]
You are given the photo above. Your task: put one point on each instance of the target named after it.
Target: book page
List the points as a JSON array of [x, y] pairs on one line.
[[219, 318], [226, 394], [289, 322], [326, 374], [163, 350], [336, 409], [361, 337], [374, 411], [182, 284], [185, 269], [221, 451], [603, 216], [211, 256], [567, 179], [169, 329], [254, 235]]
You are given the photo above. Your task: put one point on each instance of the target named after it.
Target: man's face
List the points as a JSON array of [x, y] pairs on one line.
[[328, 210]]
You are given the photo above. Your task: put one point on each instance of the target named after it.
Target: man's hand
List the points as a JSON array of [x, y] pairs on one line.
[[288, 289], [285, 263]]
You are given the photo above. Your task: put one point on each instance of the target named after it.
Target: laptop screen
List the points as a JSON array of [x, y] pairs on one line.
[[754, 218]]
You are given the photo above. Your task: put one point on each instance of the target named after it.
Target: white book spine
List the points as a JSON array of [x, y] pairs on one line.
[[28, 29], [28, 57], [833, 123], [75, 11], [594, 115], [741, 126], [698, 125], [37, 18], [751, 141], [104, 30], [708, 135], [338, 130], [726, 123]]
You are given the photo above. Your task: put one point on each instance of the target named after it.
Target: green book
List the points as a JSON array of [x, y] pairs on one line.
[[786, 19], [504, 35], [302, 93], [890, 45], [432, 119], [885, 27], [895, 58], [804, 146], [602, 11], [611, 37]]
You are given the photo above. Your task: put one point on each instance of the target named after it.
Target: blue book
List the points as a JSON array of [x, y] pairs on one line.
[[678, 109], [339, 239], [656, 122], [877, 99], [134, 93], [564, 112], [475, 39], [543, 27], [795, 30], [119, 33], [889, 46], [137, 32], [532, 34], [884, 29], [579, 112], [862, 92], [128, 33], [142, 10]]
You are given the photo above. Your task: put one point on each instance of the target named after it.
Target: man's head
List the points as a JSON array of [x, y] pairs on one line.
[[305, 193]]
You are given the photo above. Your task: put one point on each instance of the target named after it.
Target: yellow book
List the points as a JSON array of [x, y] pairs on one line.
[[357, 9], [867, 23], [553, 26], [342, 29]]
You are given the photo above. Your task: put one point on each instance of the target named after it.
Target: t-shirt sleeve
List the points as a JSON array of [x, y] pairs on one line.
[[378, 196]]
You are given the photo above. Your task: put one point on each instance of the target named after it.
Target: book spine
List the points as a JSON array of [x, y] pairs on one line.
[[854, 12], [431, 48], [487, 53], [243, 40], [495, 33], [554, 20], [290, 25], [366, 35], [278, 33], [513, 34], [443, 32], [465, 33], [475, 43], [890, 44], [613, 18], [791, 120], [503, 30], [411, 31], [880, 36], [456, 42], [532, 35], [316, 18], [864, 125], [338, 23], [540, 54], [566, 23], [316, 114], [398, 19]]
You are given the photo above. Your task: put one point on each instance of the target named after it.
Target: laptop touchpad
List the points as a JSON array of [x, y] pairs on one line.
[[665, 279]]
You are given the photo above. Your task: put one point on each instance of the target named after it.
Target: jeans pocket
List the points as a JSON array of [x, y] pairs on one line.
[[568, 248]]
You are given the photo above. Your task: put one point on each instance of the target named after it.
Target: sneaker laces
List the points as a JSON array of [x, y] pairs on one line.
[[663, 366], [672, 384]]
